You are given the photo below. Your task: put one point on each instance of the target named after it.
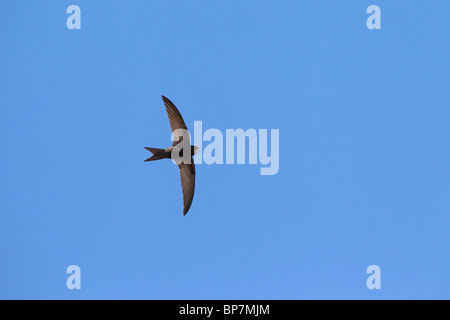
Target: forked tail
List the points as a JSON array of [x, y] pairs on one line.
[[157, 154]]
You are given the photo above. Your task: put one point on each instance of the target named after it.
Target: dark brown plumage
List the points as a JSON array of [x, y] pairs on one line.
[[187, 170]]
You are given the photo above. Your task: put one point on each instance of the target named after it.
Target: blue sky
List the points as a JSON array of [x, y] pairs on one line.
[[364, 150]]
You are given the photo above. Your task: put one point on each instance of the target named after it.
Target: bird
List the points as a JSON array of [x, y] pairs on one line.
[[187, 168]]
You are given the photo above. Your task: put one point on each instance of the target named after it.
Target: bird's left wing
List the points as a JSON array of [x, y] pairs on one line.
[[187, 175]]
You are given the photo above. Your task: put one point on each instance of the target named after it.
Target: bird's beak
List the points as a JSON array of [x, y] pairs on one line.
[[196, 149]]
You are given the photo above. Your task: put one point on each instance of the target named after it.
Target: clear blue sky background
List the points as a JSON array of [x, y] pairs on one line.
[[364, 149]]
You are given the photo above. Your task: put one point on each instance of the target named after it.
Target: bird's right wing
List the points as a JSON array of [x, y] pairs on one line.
[[175, 118], [187, 175]]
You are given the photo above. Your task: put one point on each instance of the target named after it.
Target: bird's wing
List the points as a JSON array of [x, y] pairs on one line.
[[175, 118], [187, 175]]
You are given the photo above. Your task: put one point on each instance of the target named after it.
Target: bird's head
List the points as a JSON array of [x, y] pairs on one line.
[[196, 149]]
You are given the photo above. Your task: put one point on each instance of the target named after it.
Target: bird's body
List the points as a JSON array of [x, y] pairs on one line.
[[175, 152]]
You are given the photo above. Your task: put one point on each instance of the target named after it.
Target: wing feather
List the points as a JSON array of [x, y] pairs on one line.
[[187, 176], [175, 118]]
